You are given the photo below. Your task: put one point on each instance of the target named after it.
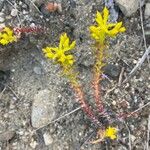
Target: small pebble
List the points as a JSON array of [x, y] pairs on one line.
[[133, 138], [6, 136], [33, 144], [47, 139], [147, 10], [24, 12], [2, 19], [1, 13], [14, 12], [114, 103], [135, 61], [116, 91], [37, 70]]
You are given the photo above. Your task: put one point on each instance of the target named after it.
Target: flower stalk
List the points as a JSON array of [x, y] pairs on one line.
[[100, 33], [84, 105]]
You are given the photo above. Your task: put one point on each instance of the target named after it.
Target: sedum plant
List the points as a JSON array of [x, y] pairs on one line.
[[7, 36], [100, 33]]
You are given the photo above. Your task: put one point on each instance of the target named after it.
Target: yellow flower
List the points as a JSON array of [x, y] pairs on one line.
[[104, 29], [60, 54], [6, 36], [111, 132]]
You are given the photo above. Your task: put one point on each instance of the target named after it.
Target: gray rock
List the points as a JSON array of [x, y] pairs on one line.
[[6, 136], [128, 7], [112, 71], [37, 70], [43, 108], [147, 10], [47, 139], [14, 12]]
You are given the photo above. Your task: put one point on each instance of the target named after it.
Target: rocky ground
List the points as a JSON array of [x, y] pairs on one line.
[[33, 93]]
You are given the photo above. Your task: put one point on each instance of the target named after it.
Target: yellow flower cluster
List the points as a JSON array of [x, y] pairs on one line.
[[7, 36], [103, 29], [60, 54], [111, 133]]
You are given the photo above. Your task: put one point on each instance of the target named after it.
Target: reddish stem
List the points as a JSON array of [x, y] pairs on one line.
[[97, 93], [86, 108]]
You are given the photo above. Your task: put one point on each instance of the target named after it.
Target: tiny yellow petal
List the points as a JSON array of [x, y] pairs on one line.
[[111, 133], [105, 15], [73, 44], [123, 29], [99, 18], [4, 42]]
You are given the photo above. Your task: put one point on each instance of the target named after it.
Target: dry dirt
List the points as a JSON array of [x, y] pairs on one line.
[[25, 71]]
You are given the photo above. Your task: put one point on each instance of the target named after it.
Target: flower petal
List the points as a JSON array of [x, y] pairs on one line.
[[105, 15]]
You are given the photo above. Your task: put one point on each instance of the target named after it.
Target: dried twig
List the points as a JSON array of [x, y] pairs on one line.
[[130, 145], [87, 139], [120, 76], [140, 62], [36, 7], [143, 31], [61, 117], [1, 94], [12, 91], [138, 109], [142, 26], [148, 132]]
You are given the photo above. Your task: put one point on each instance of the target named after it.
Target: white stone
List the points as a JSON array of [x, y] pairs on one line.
[[43, 108], [133, 138], [33, 144], [147, 10], [2, 19], [47, 139], [14, 12], [1, 14], [128, 7], [135, 61], [114, 103], [2, 25]]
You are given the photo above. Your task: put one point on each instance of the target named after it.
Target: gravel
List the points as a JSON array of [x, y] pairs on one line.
[[35, 92]]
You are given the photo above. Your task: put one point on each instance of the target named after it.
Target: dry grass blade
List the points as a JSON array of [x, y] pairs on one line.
[[63, 116], [143, 31], [138, 109], [36, 7], [140, 62], [130, 145], [148, 132], [1, 94]]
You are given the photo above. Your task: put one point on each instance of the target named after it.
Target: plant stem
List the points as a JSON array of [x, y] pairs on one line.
[[97, 94], [85, 107], [99, 53]]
